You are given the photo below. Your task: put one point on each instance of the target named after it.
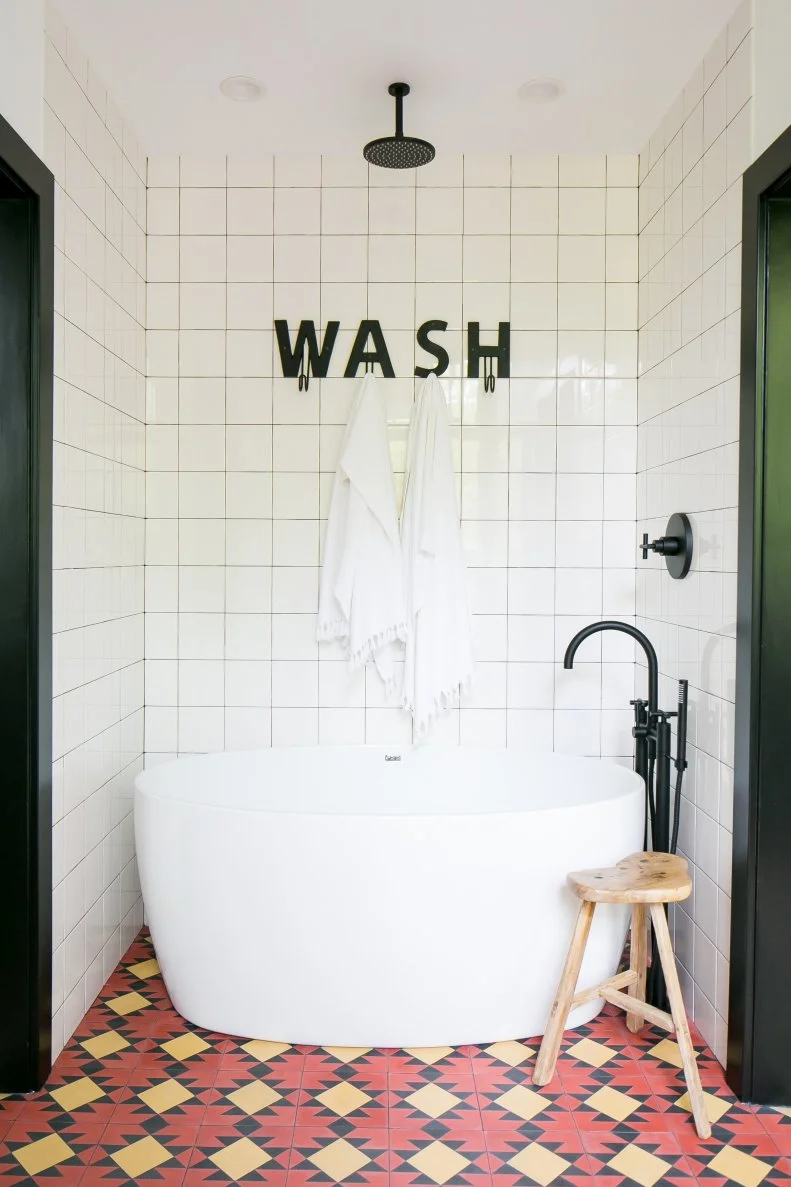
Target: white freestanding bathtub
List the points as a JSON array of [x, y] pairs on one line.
[[355, 896]]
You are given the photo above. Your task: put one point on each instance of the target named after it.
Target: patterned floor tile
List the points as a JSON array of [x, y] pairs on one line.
[[76, 1097], [224, 1155], [581, 1079], [257, 1056], [141, 1095], [439, 1107], [420, 1160], [353, 1059], [777, 1124], [250, 1100], [319, 1156], [13, 1105], [432, 1063], [729, 1118], [158, 1101], [746, 1161], [557, 1156], [129, 1153], [498, 1057], [613, 1110], [36, 1152], [110, 1052], [344, 1103], [513, 1103], [643, 1159]]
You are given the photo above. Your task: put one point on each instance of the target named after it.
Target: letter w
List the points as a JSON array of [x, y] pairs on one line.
[[319, 359]]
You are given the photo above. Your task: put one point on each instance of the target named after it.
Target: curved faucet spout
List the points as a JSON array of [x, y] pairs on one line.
[[638, 636]]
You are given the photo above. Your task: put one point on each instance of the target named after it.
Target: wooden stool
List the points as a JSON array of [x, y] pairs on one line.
[[644, 880]]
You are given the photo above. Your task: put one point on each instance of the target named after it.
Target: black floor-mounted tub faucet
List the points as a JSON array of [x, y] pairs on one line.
[[652, 759]]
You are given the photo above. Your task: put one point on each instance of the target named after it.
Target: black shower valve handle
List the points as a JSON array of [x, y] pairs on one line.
[[664, 546], [675, 546]]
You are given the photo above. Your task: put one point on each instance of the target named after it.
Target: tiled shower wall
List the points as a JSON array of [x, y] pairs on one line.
[[240, 463], [99, 508], [690, 231]]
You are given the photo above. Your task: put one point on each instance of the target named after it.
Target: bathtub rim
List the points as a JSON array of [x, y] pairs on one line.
[[620, 793]]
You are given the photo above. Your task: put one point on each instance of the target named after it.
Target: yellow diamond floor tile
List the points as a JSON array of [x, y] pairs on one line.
[[139, 1095]]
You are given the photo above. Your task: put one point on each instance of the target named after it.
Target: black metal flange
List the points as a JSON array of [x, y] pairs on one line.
[[675, 546]]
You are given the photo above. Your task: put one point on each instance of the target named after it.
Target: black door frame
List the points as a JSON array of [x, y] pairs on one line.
[[26, 565], [763, 179]]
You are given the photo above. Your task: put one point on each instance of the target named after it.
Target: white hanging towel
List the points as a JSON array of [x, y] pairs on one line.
[[362, 593], [439, 657]]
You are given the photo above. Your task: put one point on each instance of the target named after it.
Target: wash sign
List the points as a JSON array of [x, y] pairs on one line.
[[307, 357]]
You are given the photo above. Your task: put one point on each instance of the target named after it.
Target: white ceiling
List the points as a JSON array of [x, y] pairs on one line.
[[326, 65]]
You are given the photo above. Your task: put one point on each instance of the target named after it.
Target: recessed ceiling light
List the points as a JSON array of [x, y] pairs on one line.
[[241, 88], [540, 90]]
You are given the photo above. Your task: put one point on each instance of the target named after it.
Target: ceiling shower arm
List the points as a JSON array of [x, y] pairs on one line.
[[399, 115], [398, 90]]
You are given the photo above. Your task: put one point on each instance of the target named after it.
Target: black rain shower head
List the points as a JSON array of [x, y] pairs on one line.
[[399, 151]]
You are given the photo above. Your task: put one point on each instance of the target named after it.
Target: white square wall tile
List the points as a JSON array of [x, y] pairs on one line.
[[202, 171], [582, 211], [162, 217], [486, 257], [487, 169], [253, 172], [344, 211], [440, 211], [391, 258], [250, 258], [297, 169], [487, 210], [343, 171], [534, 171], [202, 212], [202, 306], [201, 258], [582, 171], [391, 211], [296, 258], [250, 211], [297, 212]]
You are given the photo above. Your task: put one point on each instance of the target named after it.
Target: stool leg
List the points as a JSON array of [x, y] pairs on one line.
[[679, 1014], [548, 1055], [638, 957]]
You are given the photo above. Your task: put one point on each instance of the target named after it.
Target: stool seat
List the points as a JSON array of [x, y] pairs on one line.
[[647, 881], [639, 878]]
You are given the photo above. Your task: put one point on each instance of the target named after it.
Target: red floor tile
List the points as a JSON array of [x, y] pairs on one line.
[[319, 1156], [703, 1158], [127, 1151], [224, 1154], [238, 1098], [145, 1096], [513, 1103], [420, 1160], [327, 1100], [438, 1106], [355, 1059], [76, 1144], [635, 1158], [516, 1160], [431, 1063]]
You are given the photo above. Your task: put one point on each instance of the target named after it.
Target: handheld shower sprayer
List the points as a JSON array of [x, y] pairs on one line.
[[652, 761]]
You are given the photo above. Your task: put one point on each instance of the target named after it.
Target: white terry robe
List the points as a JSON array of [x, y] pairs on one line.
[[439, 663], [361, 597]]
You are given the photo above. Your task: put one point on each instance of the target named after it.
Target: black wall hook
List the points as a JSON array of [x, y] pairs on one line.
[[489, 378], [304, 368], [675, 546]]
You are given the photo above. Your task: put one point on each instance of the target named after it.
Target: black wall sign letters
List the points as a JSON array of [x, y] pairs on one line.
[[369, 348]]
